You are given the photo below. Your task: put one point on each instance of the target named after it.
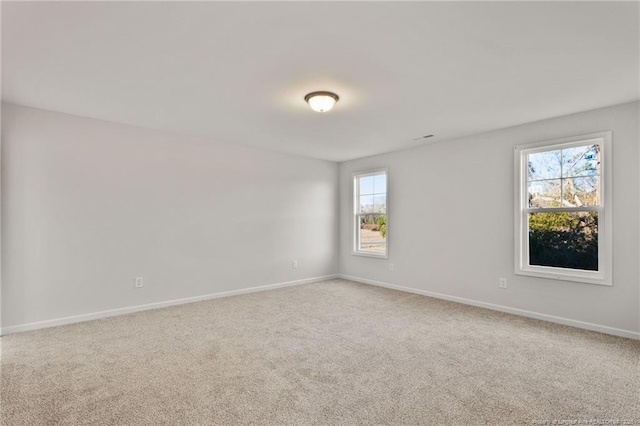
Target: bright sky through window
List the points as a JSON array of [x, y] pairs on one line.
[[370, 213]]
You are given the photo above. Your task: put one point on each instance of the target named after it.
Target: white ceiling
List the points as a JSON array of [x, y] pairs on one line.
[[238, 72]]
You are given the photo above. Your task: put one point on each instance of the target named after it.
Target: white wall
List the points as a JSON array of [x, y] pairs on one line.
[[88, 205], [451, 211]]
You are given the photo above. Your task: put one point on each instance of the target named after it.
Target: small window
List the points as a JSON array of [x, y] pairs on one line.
[[563, 209], [370, 213]]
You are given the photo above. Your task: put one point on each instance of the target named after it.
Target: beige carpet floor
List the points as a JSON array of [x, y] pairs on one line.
[[328, 353]]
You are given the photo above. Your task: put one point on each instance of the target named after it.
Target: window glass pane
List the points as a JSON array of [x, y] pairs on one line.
[[581, 161], [544, 193], [373, 233], [380, 184], [366, 204], [366, 185], [544, 165], [564, 240], [379, 203], [582, 191]]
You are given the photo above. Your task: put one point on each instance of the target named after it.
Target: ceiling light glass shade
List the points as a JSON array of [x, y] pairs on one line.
[[321, 101]]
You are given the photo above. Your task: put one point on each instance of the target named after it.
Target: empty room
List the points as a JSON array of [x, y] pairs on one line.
[[320, 213]]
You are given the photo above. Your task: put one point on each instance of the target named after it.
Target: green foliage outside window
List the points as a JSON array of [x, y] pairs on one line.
[[381, 221], [564, 240]]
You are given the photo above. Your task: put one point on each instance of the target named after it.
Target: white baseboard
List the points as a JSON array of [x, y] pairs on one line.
[[545, 317], [121, 311]]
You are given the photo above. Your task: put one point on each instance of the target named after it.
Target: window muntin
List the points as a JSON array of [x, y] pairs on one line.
[[563, 228], [370, 213]]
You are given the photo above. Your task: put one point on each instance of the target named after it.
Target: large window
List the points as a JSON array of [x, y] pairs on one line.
[[370, 213], [563, 209]]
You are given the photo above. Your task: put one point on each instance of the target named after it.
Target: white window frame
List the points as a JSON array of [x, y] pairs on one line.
[[605, 223], [355, 196]]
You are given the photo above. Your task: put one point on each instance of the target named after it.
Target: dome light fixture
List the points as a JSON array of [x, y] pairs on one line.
[[321, 101]]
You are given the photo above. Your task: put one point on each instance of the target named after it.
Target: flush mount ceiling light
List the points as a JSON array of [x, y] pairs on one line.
[[321, 101]]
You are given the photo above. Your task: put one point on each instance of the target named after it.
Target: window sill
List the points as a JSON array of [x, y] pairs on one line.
[[369, 254], [551, 274]]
